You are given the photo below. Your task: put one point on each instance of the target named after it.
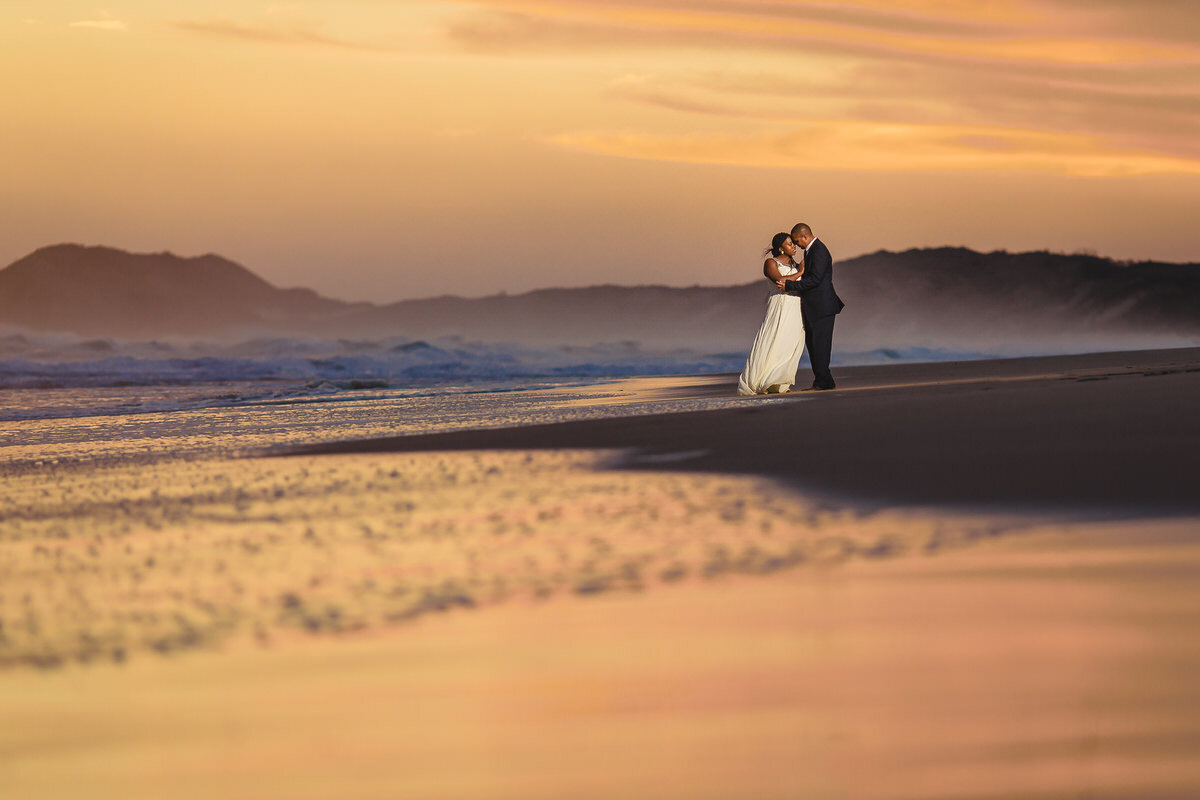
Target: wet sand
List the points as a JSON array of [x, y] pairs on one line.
[[1104, 433], [991, 592], [1058, 665]]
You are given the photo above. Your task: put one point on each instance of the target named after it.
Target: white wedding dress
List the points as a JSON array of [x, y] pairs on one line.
[[775, 355]]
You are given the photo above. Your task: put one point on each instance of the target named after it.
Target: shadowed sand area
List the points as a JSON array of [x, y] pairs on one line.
[[1106, 432], [991, 592]]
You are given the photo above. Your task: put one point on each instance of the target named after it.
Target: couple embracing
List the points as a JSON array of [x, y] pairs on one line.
[[800, 313]]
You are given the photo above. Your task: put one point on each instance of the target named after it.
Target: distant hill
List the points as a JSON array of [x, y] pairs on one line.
[[106, 292], [944, 297]]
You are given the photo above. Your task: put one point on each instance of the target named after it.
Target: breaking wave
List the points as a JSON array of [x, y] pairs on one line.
[[350, 365], [57, 375]]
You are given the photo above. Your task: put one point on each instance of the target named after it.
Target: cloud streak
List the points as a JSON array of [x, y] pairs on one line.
[[101, 25], [1001, 33], [1156, 112], [856, 145], [279, 34], [1111, 81]]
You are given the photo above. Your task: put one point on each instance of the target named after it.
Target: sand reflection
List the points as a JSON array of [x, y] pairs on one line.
[[106, 562]]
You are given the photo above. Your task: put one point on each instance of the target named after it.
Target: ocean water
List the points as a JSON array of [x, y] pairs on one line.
[[59, 376]]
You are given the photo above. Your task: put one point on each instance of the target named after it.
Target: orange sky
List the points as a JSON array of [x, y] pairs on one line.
[[381, 149]]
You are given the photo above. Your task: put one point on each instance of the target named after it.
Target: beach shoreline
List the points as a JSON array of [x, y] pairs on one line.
[[1107, 433], [655, 605]]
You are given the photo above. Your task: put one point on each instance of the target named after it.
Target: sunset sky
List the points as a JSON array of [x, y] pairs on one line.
[[383, 149]]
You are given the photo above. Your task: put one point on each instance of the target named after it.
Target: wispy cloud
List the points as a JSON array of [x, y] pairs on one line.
[[101, 24], [1156, 110], [998, 32], [1063, 86], [875, 147], [288, 33]]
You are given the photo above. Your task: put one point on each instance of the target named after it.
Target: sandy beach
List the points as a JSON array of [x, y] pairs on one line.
[[984, 587], [1104, 433]]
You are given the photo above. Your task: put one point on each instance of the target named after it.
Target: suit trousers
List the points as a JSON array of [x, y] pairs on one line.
[[818, 338]]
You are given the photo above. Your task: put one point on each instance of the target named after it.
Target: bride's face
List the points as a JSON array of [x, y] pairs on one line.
[[788, 248]]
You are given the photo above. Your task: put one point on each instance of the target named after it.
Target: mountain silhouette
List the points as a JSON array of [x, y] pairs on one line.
[[933, 297], [951, 298], [108, 292]]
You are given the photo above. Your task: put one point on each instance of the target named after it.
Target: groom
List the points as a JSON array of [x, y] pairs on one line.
[[819, 304]]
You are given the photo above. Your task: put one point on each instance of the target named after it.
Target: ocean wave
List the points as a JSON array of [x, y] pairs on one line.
[[389, 366], [57, 375], [29, 361]]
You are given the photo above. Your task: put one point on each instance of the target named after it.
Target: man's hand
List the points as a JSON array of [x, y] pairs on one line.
[[782, 284]]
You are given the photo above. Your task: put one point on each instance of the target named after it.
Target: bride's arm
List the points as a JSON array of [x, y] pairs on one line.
[[772, 273], [771, 270]]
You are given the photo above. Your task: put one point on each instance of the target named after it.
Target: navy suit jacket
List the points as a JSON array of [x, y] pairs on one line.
[[815, 287]]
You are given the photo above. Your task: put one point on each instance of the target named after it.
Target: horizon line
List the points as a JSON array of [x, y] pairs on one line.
[[1078, 253]]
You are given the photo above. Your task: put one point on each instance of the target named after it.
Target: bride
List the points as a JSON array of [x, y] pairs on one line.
[[775, 355]]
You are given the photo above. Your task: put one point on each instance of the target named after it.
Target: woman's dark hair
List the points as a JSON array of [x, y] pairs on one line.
[[776, 248]]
